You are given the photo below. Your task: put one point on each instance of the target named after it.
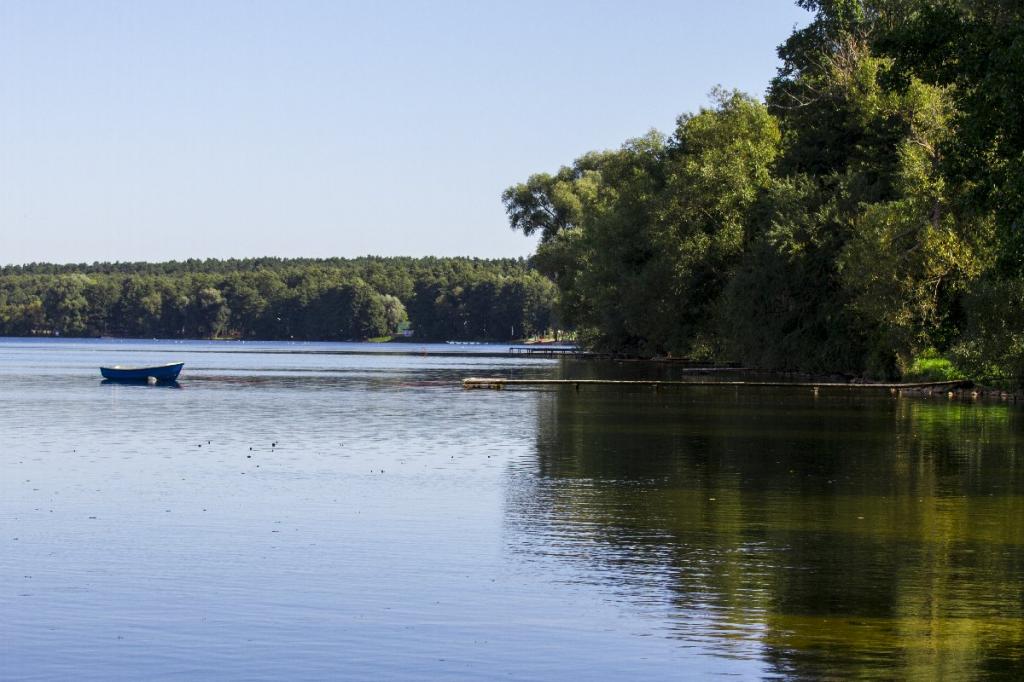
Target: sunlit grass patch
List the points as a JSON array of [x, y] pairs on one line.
[[932, 366]]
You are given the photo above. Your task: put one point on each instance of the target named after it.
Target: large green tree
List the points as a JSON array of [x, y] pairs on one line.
[[871, 210], [641, 239]]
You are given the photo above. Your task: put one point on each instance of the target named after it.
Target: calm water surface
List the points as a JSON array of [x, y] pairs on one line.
[[284, 514]]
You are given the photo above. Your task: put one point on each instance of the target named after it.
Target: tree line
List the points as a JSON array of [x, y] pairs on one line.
[[868, 212], [271, 298]]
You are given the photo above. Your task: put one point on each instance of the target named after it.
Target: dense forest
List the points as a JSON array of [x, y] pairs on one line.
[[273, 298], [866, 215]]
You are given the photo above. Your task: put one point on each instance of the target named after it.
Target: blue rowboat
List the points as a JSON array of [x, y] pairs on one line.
[[159, 374]]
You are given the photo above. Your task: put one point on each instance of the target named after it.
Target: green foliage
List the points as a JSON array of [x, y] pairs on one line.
[[871, 209], [332, 299], [976, 49], [785, 308], [992, 346], [496, 308], [635, 235], [931, 366]]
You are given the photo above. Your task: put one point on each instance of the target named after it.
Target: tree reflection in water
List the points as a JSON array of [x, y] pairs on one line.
[[830, 535]]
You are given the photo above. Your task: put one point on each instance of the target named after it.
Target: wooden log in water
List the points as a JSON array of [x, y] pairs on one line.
[[499, 383]]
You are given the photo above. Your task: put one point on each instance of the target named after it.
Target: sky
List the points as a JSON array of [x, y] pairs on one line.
[[194, 129]]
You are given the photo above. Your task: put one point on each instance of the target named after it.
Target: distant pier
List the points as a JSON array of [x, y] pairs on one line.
[[544, 351]]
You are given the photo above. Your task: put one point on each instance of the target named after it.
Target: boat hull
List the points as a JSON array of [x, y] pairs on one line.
[[160, 374]]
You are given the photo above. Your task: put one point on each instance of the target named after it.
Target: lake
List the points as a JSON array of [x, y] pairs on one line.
[[303, 511]]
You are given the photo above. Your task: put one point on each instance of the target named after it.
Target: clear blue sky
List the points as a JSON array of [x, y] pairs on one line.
[[168, 130]]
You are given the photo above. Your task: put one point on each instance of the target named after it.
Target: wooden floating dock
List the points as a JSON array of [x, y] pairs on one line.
[[499, 383]]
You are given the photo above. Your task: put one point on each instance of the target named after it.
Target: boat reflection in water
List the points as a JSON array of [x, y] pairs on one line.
[[142, 384]]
